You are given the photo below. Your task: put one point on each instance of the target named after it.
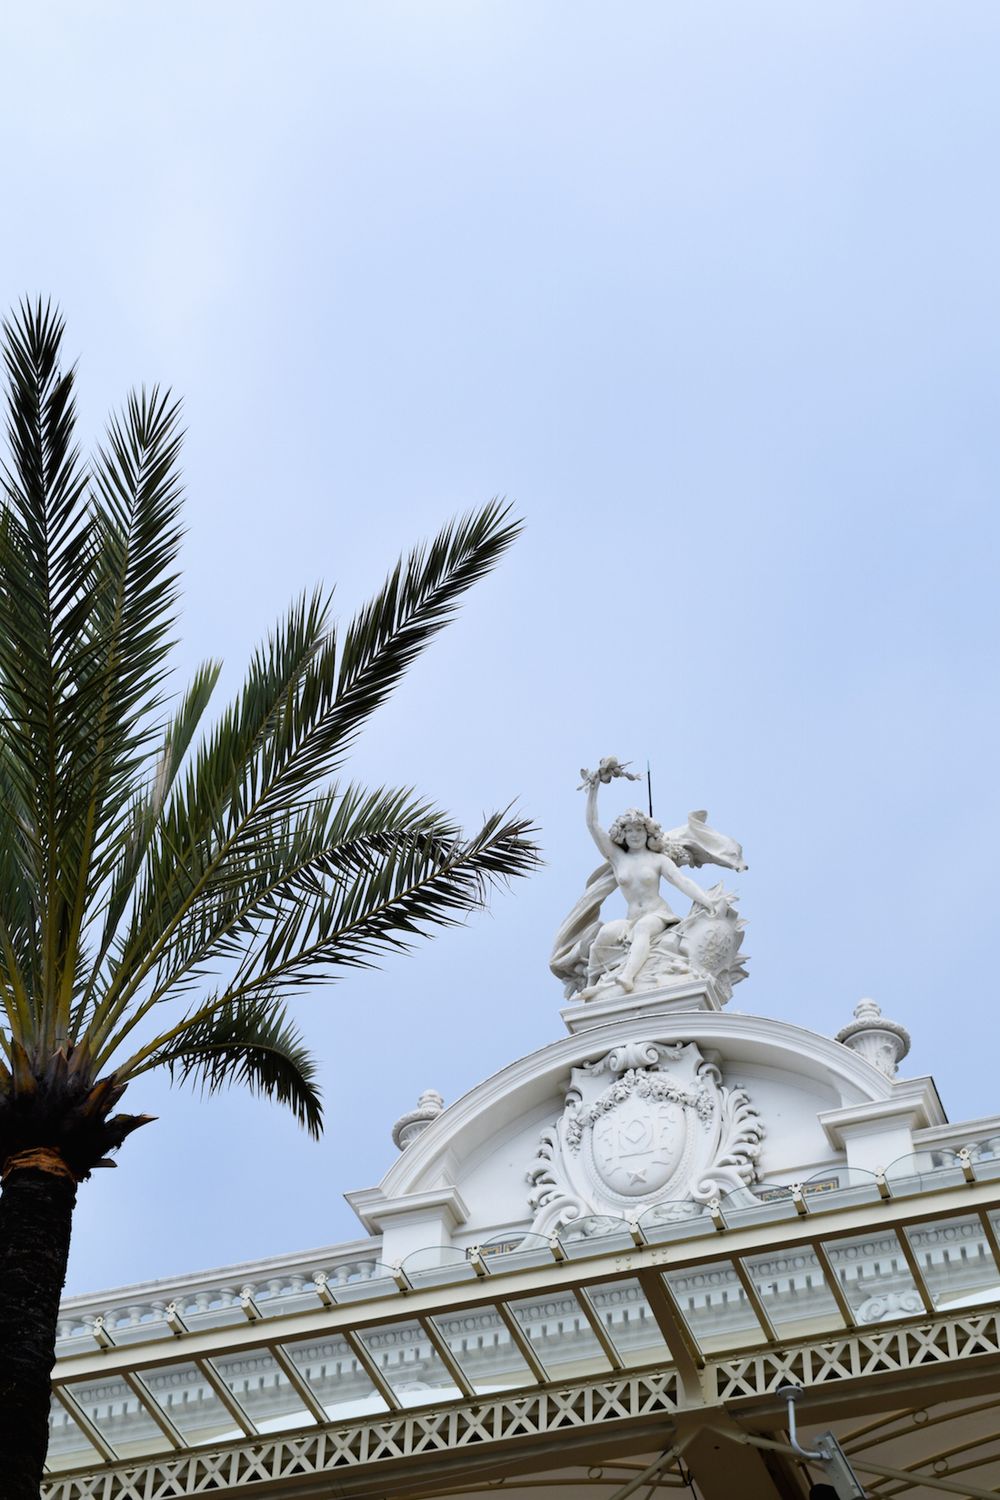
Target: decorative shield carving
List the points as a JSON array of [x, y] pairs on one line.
[[648, 1123], [636, 1146]]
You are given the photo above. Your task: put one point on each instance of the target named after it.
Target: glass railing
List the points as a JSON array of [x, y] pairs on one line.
[[590, 1310]]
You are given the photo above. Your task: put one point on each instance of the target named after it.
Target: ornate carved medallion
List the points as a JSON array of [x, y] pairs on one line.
[[650, 1123]]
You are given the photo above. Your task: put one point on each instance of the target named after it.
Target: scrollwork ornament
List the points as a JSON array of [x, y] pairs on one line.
[[664, 1130]]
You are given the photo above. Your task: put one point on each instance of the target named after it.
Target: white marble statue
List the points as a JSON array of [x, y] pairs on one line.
[[651, 943]]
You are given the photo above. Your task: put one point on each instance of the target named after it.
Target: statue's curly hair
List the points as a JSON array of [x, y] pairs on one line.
[[656, 840]]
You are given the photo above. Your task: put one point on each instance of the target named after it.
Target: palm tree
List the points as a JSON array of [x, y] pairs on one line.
[[164, 889]]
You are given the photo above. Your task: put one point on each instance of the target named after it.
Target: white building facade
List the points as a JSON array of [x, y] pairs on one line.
[[598, 1271]]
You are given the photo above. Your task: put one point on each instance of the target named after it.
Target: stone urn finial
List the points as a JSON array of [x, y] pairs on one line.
[[882, 1043], [409, 1126]]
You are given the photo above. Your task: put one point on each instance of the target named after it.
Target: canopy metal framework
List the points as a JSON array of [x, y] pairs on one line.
[[626, 1342]]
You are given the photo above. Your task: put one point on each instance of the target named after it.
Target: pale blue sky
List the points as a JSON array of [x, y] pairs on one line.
[[710, 291]]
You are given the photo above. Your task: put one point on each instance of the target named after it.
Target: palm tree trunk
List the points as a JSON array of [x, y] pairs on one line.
[[36, 1213]]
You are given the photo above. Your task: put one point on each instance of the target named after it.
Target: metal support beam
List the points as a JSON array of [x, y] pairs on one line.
[[882, 1424], [505, 1432], [833, 1283], [683, 1346], [916, 1272], [299, 1384], [444, 1354], [719, 1458], [944, 1454], [521, 1342], [371, 1369], [225, 1395], [601, 1334], [153, 1409], [865, 1466], [756, 1301], [652, 1473], [86, 1426]]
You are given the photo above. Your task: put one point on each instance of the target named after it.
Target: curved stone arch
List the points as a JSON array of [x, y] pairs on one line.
[[525, 1085]]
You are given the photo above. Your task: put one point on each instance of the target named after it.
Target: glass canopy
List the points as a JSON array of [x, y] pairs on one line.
[[537, 1311]]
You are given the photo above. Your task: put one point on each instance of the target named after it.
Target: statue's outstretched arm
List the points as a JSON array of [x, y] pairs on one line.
[[689, 888]]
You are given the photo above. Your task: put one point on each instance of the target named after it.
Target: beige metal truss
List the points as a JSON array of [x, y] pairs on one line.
[[943, 1353], [644, 1401]]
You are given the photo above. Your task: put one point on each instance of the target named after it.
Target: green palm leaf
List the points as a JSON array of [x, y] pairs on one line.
[[164, 888], [250, 1042], [146, 864]]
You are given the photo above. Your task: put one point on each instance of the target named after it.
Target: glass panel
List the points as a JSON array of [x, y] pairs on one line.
[[514, 1251], [793, 1289], [833, 1187], [482, 1345], [68, 1344], [377, 1281], [119, 1416], [190, 1403], [956, 1261], [626, 1314], [674, 1221], [437, 1266], [133, 1330], [738, 1208], [922, 1170], [283, 1294], [335, 1376], [560, 1335], [839, 1187], [715, 1306], [408, 1361], [986, 1157], [262, 1390], [350, 1272], [69, 1447], [986, 1148], [595, 1235], [875, 1277]]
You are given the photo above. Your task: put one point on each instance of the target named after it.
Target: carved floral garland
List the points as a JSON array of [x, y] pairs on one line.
[[647, 1086]]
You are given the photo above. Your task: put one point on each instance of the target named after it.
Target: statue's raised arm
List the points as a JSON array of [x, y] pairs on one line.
[[608, 769], [651, 943]]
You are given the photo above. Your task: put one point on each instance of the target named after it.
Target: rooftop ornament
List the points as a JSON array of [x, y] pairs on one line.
[[881, 1042], [409, 1126], [651, 945]]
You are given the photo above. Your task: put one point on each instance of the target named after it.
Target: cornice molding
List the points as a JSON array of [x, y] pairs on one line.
[[962, 1133], [374, 1207], [914, 1103], [526, 1084], [190, 1283]]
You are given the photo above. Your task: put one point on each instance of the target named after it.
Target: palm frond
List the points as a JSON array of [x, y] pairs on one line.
[[191, 828], [296, 861], [125, 641], [143, 861], [250, 1042], [273, 746], [355, 672], [145, 812], [388, 890], [47, 557]]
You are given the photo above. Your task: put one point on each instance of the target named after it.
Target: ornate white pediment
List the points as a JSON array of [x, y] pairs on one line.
[[649, 1123]]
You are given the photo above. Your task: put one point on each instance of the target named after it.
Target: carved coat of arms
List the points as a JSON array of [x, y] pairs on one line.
[[649, 1123]]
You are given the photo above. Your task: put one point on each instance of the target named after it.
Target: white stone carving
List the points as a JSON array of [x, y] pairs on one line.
[[886, 1305], [409, 1126], [649, 1123], [651, 945], [881, 1042]]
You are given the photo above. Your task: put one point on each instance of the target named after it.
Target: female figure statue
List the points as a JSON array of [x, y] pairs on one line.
[[639, 855]]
